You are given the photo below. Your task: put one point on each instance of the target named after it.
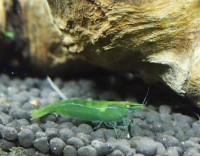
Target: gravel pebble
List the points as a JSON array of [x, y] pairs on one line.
[[35, 92], [9, 133], [84, 128], [116, 153], [51, 133], [188, 133], [102, 148], [160, 149], [31, 151], [12, 90], [168, 140], [84, 137], [139, 115], [19, 113], [4, 118], [69, 151], [26, 137], [57, 146], [152, 117], [1, 128], [181, 135], [96, 143], [195, 139], [110, 133], [34, 127], [122, 145], [48, 124], [183, 118], [18, 124], [187, 144], [136, 131], [125, 149], [192, 152], [178, 125], [65, 134], [41, 144], [166, 118], [165, 109], [149, 133], [98, 134], [40, 135], [4, 108], [157, 127], [196, 128], [144, 145], [140, 123], [87, 151], [169, 132], [6, 145], [173, 151], [76, 142]]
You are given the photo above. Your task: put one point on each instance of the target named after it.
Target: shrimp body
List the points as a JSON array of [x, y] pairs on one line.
[[90, 110]]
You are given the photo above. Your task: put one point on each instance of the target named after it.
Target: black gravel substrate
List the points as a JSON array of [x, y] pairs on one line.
[[160, 130]]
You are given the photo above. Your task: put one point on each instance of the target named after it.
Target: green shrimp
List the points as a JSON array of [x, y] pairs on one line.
[[107, 112], [90, 110]]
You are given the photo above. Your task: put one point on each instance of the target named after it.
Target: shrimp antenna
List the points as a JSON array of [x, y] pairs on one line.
[[145, 98], [56, 89], [197, 115]]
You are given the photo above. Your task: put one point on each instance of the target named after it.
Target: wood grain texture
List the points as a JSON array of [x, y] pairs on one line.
[[155, 38]]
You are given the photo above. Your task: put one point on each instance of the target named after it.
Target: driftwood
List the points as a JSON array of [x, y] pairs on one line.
[[157, 39]]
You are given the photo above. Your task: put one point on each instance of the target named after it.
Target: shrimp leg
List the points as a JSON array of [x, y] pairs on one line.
[[99, 125]]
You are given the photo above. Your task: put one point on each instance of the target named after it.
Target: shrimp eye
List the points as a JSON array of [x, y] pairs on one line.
[[128, 106]]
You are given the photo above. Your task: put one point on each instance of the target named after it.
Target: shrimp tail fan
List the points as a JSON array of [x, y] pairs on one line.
[[37, 113]]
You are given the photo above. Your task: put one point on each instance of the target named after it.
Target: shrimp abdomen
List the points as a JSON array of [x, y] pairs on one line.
[[105, 111]]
